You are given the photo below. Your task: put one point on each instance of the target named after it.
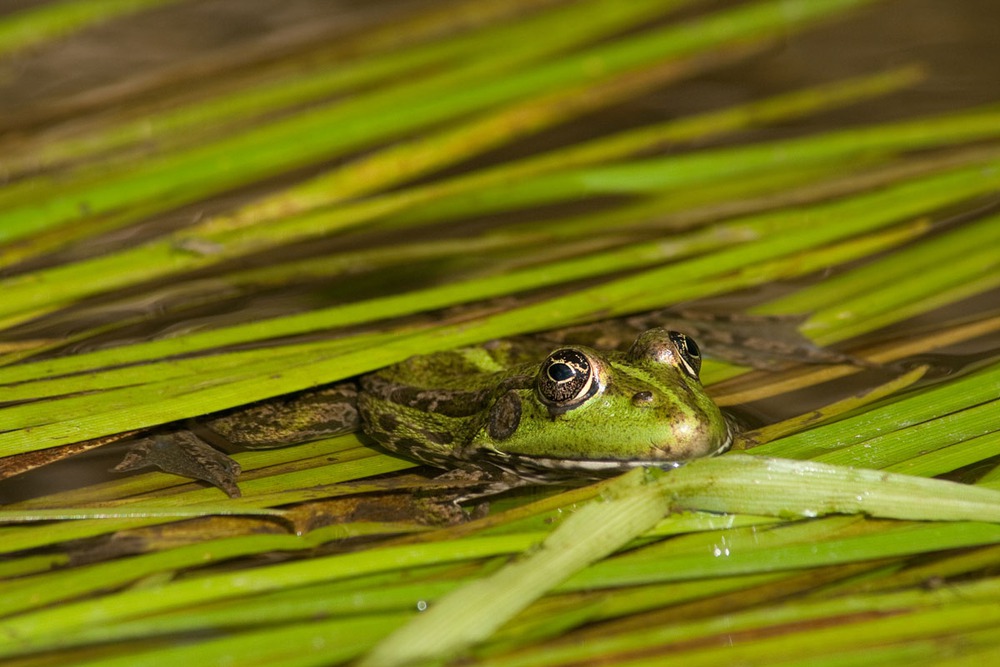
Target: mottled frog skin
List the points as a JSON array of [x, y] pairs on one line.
[[543, 414], [516, 411]]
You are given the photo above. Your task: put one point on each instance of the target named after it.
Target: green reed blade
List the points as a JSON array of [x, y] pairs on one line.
[[305, 137], [318, 134], [369, 64]]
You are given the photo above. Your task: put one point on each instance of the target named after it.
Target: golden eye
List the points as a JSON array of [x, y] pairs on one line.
[[667, 347], [566, 379], [690, 353]]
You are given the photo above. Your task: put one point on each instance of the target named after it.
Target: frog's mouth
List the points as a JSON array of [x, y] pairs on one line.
[[546, 470]]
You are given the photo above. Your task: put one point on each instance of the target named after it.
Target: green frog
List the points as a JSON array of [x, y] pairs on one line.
[[526, 410]]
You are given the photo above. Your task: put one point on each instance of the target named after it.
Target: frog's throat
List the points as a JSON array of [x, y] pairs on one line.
[[544, 470]]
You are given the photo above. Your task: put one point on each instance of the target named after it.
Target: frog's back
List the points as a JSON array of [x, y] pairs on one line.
[[428, 406]]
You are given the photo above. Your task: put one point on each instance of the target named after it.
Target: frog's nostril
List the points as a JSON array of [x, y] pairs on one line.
[[642, 399]]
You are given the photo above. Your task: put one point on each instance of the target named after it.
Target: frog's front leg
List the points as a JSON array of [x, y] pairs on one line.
[[279, 422], [285, 420], [183, 453]]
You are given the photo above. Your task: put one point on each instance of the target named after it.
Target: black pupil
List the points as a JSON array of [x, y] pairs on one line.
[[565, 380], [560, 372], [685, 344]]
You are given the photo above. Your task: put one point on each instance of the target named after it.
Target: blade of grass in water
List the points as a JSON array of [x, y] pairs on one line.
[[28, 628], [319, 134], [467, 292], [357, 177], [26, 293], [725, 484], [602, 16], [657, 175], [368, 64], [477, 610], [666, 641], [62, 193], [980, 387], [679, 171], [543, 236]]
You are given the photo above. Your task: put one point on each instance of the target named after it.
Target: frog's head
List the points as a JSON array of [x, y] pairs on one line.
[[593, 411]]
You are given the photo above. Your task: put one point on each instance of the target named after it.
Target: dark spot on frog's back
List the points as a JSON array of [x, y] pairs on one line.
[[438, 437], [505, 416], [407, 445], [448, 402], [388, 423]]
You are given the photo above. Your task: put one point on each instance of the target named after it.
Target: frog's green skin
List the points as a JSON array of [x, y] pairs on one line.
[[508, 409], [485, 408], [544, 414], [518, 411]]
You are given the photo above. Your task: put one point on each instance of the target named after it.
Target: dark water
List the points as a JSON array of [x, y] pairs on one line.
[[957, 41]]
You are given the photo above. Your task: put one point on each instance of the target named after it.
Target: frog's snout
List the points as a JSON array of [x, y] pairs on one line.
[[692, 441]]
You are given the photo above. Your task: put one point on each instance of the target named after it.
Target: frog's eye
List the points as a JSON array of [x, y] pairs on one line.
[[667, 347], [566, 379], [690, 353]]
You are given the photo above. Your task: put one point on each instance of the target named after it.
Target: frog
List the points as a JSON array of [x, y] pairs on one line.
[[526, 410]]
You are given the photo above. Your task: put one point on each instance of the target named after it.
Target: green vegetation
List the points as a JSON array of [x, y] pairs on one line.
[[385, 218]]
